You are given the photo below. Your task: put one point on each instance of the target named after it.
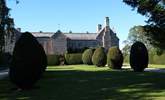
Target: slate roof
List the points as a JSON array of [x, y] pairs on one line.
[[81, 36], [43, 34], [72, 36]]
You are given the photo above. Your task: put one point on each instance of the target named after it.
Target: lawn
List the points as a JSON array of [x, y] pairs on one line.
[[81, 82]]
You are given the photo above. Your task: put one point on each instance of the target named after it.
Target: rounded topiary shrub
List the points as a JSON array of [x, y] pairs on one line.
[[87, 56], [73, 58], [138, 57], [114, 58], [28, 63], [53, 60], [99, 57]]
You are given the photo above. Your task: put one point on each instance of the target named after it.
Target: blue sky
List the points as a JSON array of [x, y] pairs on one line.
[[74, 15]]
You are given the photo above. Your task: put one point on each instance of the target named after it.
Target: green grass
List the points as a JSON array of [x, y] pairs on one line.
[[81, 82], [156, 66], [149, 66]]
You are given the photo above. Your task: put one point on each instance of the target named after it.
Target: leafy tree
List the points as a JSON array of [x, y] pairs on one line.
[[136, 33], [6, 24], [155, 11]]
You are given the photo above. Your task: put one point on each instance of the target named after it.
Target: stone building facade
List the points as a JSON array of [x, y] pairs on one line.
[[59, 42]]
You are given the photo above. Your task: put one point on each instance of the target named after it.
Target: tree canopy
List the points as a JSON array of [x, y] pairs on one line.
[[154, 10], [136, 33], [6, 23]]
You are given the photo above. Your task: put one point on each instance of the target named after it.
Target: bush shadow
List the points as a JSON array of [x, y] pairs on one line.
[[99, 85]]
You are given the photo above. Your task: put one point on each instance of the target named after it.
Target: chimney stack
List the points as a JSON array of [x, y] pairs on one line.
[[107, 28], [107, 21], [19, 29], [99, 27]]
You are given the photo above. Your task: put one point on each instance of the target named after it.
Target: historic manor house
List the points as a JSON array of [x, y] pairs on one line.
[[59, 42]]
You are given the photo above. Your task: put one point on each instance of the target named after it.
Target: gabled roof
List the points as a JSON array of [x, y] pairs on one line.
[[43, 34], [72, 36]]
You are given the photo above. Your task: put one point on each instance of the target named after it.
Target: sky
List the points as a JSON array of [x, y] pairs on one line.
[[74, 15]]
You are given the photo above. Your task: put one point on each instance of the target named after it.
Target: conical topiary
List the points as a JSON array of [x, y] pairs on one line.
[[29, 61]]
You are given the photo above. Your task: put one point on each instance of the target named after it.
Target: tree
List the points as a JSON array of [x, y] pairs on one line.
[[6, 24], [155, 11], [136, 33]]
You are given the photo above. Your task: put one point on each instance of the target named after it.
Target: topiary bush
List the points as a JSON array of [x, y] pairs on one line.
[[99, 57], [53, 60], [138, 57], [73, 58], [114, 58], [28, 63], [87, 56]]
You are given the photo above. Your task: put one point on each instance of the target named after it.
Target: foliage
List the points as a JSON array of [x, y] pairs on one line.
[[136, 33], [138, 56], [53, 60], [73, 58], [6, 24], [154, 58], [126, 50], [87, 56], [28, 63], [155, 11], [99, 57], [114, 58]]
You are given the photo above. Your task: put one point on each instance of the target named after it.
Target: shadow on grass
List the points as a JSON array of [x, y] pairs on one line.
[[83, 85]]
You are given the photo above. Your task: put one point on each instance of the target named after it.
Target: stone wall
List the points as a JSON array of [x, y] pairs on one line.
[[59, 44], [80, 44], [10, 41], [44, 41]]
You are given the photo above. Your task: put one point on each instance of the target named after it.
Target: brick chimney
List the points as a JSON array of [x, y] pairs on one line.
[[99, 27], [107, 24]]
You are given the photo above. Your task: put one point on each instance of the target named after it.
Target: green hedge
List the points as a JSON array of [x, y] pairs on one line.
[[159, 59], [53, 60], [153, 59], [99, 57], [114, 58], [87, 56], [73, 58]]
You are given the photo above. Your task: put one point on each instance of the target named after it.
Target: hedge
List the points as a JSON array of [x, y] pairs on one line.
[[114, 58], [99, 57], [73, 58], [87, 56], [53, 60]]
